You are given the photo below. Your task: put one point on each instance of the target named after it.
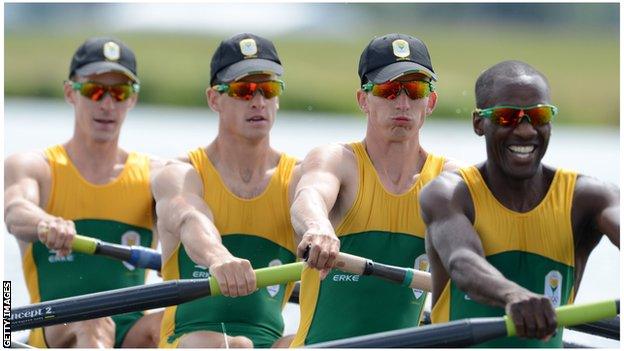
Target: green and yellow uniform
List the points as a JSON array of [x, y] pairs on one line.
[[257, 229], [535, 249], [383, 227], [118, 212]]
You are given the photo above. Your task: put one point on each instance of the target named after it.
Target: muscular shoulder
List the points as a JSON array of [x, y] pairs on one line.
[[26, 165], [445, 194], [338, 159], [176, 177], [592, 193]]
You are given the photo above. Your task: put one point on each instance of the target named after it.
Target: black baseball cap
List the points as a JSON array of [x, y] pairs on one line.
[[393, 55], [242, 55], [103, 54]]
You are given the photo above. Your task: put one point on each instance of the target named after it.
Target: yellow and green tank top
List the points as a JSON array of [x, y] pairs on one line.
[[118, 212], [380, 226], [258, 229], [535, 249]]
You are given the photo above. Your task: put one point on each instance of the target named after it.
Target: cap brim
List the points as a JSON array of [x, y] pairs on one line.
[[105, 67], [250, 66], [397, 69]]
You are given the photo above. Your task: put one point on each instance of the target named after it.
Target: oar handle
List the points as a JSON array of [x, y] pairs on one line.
[[406, 276], [268, 276], [84, 244], [570, 315]]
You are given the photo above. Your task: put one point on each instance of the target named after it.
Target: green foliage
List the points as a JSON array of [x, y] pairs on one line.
[[581, 63]]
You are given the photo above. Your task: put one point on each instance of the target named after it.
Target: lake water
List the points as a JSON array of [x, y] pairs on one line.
[[169, 132]]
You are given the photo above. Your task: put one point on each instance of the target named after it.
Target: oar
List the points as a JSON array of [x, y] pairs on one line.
[[138, 256], [468, 332], [359, 265], [137, 298]]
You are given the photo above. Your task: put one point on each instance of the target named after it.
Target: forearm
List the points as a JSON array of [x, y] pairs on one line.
[[482, 282], [22, 217], [201, 239], [309, 213]]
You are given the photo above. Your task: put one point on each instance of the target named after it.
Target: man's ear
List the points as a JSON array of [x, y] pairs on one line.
[[68, 92], [362, 99], [432, 102], [212, 97], [478, 124]]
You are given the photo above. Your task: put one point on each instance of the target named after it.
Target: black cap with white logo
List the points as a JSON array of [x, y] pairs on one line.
[[101, 55], [242, 55], [390, 56]]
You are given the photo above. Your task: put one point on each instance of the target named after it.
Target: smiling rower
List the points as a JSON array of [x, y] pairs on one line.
[[512, 234]]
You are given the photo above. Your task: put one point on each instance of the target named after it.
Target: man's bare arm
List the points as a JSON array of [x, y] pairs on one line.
[[183, 214], [24, 177], [444, 204], [599, 202], [315, 197]]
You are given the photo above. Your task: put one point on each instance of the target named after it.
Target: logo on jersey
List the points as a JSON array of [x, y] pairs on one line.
[[130, 238], [54, 257], [422, 264], [274, 289], [552, 287], [346, 278], [200, 272]]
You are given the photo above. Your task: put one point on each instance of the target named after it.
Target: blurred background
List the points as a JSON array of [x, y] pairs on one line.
[[575, 45]]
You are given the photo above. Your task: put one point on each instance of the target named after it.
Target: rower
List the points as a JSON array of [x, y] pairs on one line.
[[225, 208], [361, 198], [512, 234], [91, 186]]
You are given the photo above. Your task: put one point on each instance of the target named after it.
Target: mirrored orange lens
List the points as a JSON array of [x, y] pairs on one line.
[[511, 117], [95, 91], [506, 116], [540, 115], [246, 90], [416, 89]]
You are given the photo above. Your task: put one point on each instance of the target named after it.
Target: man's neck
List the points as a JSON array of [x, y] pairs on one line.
[[397, 162], [520, 195], [97, 162], [247, 160]]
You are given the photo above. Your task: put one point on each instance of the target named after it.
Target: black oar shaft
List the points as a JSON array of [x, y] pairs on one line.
[[108, 303], [460, 333]]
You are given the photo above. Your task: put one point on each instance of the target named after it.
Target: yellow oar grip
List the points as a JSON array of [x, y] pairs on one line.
[[570, 315], [84, 244], [268, 276]]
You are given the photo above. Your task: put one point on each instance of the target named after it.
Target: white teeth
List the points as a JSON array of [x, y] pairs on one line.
[[521, 149]]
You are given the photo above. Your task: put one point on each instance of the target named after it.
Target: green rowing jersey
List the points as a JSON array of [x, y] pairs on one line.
[[535, 249], [384, 227], [118, 212], [256, 229]]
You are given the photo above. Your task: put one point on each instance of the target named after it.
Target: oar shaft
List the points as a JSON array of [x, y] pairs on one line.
[[138, 256], [406, 276], [137, 298], [468, 332]]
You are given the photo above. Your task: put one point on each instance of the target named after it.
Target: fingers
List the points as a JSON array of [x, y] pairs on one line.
[[533, 316], [322, 249], [57, 234], [235, 276]]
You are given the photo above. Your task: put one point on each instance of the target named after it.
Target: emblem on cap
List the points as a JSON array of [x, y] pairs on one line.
[[400, 48], [248, 47], [111, 51]]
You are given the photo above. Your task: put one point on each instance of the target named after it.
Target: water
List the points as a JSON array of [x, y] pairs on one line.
[[170, 132]]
